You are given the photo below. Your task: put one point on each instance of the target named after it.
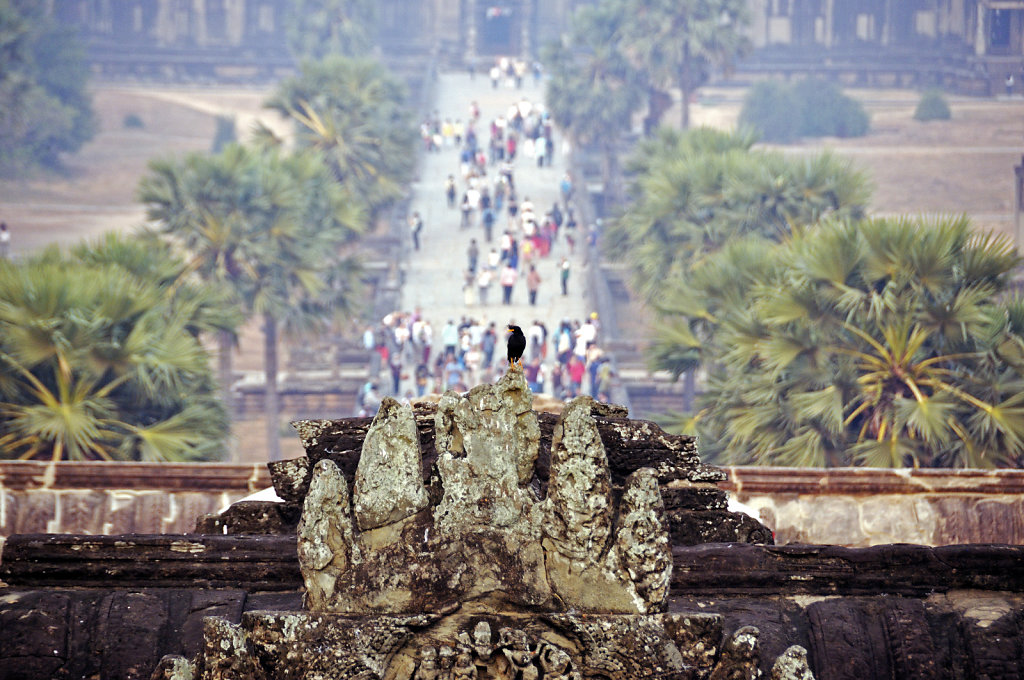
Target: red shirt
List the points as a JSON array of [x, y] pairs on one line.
[[576, 371]]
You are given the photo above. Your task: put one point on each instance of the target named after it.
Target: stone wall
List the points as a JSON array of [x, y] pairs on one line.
[[118, 498], [851, 507], [861, 507], [111, 607]]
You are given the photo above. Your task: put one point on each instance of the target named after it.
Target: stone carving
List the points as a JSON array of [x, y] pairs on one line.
[[478, 576], [488, 536], [389, 483], [741, 658], [792, 665], [517, 655]]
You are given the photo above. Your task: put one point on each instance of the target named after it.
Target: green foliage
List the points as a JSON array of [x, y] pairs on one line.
[[100, 356], [261, 223], [781, 112], [694, 192], [772, 108], [677, 43], [132, 121], [932, 106], [876, 343], [45, 110], [593, 89], [319, 28], [353, 112], [272, 229]]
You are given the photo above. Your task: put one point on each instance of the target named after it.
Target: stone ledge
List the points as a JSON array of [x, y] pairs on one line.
[[870, 481], [18, 475], [270, 563], [255, 563], [895, 569]]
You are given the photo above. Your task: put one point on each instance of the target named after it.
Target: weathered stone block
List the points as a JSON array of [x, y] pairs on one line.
[[291, 478], [33, 511], [33, 635], [389, 478], [82, 512]]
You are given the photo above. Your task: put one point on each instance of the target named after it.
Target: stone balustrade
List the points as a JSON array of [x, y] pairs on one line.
[[848, 506], [860, 507]]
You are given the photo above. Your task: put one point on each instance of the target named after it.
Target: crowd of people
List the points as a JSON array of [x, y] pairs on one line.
[[515, 234], [410, 357], [489, 172]]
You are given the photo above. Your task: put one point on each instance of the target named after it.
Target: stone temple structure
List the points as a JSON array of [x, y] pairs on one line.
[[477, 538], [485, 569]]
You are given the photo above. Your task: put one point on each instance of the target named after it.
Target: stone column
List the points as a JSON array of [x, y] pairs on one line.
[[830, 18], [526, 34], [470, 18], [198, 23], [980, 39], [886, 33]]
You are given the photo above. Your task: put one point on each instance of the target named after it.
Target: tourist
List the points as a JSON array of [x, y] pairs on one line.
[[563, 268], [473, 254], [532, 284], [416, 228], [508, 280], [483, 284]]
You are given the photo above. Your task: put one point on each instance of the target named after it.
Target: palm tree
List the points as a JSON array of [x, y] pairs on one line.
[[677, 42], [272, 228], [694, 192], [877, 343], [594, 89], [354, 112], [101, 360]]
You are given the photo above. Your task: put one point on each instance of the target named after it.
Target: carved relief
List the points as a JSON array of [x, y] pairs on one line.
[[516, 655]]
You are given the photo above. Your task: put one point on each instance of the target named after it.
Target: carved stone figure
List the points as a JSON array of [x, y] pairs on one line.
[[464, 668], [389, 480], [427, 668]]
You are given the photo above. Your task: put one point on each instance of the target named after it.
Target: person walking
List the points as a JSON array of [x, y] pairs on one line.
[[473, 255], [483, 284], [416, 227], [563, 268], [5, 241], [450, 191], [508, 280], [532, 284]]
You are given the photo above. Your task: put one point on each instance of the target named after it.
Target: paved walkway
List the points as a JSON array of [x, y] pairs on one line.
[[435, 273]]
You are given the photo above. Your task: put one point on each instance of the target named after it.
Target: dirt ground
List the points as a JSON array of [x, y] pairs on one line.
[[963, 165]]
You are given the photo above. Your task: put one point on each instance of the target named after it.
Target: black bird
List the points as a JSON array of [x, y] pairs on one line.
[[516, 345]]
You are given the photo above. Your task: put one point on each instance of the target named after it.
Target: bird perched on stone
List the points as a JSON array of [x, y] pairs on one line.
[[516, 345]]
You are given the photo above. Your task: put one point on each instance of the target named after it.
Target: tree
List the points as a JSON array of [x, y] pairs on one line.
[[318, 28], [594, 89], [45, 110], [678, 42], [876, 343], [694, 193], [353, 111], [270, 227], [100, 357]]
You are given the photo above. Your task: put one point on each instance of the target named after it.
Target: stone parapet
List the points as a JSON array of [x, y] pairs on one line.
[[118, 498], [870, 506], [844, 506]]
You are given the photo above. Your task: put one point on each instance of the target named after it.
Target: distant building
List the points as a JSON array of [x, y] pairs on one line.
[[971, 45], [245, 39]]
